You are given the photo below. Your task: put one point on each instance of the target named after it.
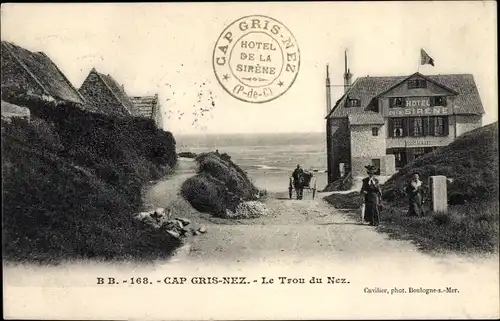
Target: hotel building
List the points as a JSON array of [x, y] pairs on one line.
[[390, 121]]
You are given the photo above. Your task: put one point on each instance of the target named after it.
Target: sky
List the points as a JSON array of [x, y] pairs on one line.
[[167, 49]]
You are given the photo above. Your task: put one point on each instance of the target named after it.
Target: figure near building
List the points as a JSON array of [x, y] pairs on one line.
[[372, 196]]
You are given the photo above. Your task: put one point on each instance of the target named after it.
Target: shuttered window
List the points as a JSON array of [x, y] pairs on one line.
[[396, 127]]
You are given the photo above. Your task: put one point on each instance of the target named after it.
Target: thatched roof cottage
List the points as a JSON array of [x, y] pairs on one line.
[[149, 107], [104, 95], [34, 73]]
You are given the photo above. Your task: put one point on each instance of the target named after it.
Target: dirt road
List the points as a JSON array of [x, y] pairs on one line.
[[295, 229]]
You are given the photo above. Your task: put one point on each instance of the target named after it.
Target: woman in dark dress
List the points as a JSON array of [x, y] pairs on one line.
[[373, 196], [414, 190]]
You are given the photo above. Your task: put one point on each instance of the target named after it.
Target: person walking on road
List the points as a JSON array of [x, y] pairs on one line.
[[372, 196], [298, 180]]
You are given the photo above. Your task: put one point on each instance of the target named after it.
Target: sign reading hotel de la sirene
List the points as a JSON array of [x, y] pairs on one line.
[[417, 106]]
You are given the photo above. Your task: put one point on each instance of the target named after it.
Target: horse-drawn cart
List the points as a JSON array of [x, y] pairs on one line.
[[307, 181]]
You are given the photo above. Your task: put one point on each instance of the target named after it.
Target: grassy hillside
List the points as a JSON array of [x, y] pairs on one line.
[[472, 223], [220, 185], [471, 161], [72, 181]]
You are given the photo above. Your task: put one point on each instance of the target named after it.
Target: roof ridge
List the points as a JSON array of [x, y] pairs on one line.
[[342, 97], [64, 77]]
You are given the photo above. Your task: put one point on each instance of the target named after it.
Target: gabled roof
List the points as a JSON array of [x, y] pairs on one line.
[[42, 70], [419, 75], [118, 92], [146, 106], [467, 99]]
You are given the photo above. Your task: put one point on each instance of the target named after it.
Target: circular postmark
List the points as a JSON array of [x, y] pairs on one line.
[[256, 59]]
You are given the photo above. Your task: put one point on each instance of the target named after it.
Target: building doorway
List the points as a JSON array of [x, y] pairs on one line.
[[342, 170], [400, 158], [376, 163]]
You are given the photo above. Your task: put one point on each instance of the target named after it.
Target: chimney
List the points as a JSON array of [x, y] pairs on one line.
[[347, 75], [328, 92], [123, 87]]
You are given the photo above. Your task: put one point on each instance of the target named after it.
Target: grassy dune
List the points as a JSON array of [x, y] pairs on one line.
[[220, 185], [72, 181]]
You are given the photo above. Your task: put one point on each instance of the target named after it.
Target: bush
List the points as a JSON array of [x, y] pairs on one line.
[[220, 185], [352, 200], [72, 181], [187, 154]]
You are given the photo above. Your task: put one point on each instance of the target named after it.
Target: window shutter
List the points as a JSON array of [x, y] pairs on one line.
[[391, 127], [445, 101], [446, 127], [425, 125], [432, 121], [391, 102], [406, 126]]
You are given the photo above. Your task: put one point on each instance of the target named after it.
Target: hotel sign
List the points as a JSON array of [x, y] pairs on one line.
[[418, 106]]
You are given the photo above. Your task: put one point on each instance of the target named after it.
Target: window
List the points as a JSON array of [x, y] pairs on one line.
[[439, 101], [399, 156], [397, 102], [374, 131], [417, 83], [417, 127], [397, 127], [353, 103], [417, 152], [439, 126]]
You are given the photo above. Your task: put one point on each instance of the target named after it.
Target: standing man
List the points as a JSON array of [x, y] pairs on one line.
[[373, 196], [298, 180]]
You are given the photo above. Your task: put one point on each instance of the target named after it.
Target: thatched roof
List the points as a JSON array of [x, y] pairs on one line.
[[35, 72], [146, 105]]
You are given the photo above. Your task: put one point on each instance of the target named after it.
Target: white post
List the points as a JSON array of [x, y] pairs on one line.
[[439, 193]]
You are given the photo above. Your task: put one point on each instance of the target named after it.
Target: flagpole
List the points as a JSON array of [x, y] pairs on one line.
[[418, 66]]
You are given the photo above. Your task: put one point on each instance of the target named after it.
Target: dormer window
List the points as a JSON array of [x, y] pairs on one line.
[[353, 102], [397, 102], [439, 101], [417, 83]]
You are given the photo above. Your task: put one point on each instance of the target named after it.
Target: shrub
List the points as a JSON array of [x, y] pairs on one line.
[[220, 185], [72, 181]]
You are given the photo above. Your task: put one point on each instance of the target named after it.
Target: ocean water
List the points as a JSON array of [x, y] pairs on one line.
[[268, 158]]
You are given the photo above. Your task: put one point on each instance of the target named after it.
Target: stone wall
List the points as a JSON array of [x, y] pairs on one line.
[[387, 165], [466, 123], [99, 98], [364, 144]]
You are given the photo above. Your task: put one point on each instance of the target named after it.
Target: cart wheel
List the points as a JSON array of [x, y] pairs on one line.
[[290, 193]]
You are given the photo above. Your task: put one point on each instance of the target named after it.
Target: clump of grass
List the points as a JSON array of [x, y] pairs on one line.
[[469, 228], [352, 200], [220, 185]]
